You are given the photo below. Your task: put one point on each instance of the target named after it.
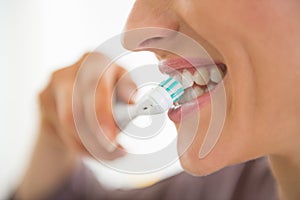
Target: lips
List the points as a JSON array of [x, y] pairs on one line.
[[199, 78]]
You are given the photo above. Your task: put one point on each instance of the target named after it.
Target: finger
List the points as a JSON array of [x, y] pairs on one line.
[[62, 83], [95, 95], [119, 152], [68, 131], [103, 108], [126, 88]]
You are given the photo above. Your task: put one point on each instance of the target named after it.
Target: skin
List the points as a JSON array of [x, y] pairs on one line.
[[259, 43], [58, 140]]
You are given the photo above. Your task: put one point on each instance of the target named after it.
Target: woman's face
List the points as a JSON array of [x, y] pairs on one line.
[[258, 43]]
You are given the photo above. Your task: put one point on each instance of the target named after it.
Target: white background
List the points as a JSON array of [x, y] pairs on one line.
[[37, 37]]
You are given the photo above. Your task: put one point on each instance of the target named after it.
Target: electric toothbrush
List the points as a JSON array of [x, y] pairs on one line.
[[156, 101]]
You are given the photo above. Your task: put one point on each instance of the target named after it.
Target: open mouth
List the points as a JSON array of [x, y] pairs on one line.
[[197, 81]]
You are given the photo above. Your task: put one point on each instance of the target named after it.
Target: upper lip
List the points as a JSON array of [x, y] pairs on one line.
[[169, 65]]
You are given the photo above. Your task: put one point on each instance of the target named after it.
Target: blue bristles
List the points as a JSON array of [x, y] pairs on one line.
[[173, 87]]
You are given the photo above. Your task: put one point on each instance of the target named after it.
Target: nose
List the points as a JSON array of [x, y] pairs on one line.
[[148, 24]]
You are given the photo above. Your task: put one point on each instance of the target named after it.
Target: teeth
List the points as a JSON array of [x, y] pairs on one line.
[[201, 76], [178, 78], [187, 79], [198, 91], [210, 86], [190, 94], [216, 75]]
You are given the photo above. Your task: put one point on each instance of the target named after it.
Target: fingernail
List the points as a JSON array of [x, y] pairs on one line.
[[120, 153], [133, 96], [111, 146]]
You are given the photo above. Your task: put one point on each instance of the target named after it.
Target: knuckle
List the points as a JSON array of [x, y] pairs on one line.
[[56, 74], [95, 55], [41, 100], [69, 73], [61, 73], [63, 78], [42, 96], [55, 78]]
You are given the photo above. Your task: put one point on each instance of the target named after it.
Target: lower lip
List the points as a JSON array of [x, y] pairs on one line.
[[185, 110]]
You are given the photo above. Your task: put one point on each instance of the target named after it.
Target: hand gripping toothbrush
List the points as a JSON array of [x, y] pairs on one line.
[[156, 101]]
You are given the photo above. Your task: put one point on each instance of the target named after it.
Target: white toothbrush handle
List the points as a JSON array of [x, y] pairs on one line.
[[156, 101], [124, 113]]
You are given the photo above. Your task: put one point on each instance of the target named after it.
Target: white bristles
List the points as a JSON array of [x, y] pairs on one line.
[[174, 88]]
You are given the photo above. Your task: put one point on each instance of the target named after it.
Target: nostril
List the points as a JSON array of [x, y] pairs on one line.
[[149, 42], [146, 38]]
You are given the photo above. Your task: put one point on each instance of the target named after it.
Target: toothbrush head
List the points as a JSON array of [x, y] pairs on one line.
[[161, 98], [174, 88]]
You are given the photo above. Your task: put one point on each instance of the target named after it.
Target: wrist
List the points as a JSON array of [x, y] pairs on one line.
[[51, 163]]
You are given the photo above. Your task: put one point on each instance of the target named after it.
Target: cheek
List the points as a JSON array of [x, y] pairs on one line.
[[253, 117], [237, 143]]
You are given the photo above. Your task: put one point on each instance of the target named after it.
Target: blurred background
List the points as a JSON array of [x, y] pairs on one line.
[[38, 37]]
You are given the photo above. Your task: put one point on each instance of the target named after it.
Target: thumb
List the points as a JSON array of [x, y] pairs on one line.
[[117, 152]]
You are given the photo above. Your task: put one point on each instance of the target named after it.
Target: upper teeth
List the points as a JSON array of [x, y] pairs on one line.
[[187, 79], [216, 75], [201, 76], [208, 77], [211, 86]]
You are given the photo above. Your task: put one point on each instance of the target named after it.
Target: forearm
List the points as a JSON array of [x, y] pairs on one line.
[[50, 165]]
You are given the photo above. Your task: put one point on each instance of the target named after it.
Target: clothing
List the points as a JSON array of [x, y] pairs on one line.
[[249, 181]]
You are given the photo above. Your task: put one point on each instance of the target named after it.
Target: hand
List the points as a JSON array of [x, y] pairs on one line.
[[57, 105]]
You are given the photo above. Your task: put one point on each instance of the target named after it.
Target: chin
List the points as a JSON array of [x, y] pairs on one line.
[[199, 167]]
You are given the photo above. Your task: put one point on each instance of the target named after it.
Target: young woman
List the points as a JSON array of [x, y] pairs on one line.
[[259, 43]]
